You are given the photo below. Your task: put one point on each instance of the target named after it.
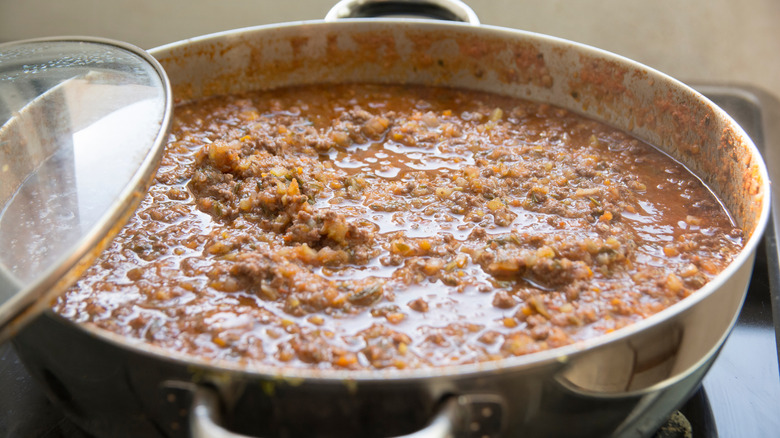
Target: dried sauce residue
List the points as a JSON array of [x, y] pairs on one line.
[[601, 82], [524, 62]]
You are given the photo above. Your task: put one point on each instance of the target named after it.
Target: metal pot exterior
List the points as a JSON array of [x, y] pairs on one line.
[[622, 384]]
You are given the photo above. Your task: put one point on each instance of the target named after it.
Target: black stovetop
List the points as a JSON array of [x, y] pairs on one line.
[[739, 397]]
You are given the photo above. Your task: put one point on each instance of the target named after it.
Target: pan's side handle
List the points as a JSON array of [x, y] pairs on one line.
[[469, 416], [452, 10]]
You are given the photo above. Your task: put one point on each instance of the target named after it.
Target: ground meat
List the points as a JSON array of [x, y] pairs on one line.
[[362, 226]]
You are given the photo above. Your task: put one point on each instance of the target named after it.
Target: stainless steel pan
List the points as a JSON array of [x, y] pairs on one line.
[[621, 384]]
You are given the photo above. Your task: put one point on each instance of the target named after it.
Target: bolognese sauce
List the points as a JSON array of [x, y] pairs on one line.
[[368, 226]]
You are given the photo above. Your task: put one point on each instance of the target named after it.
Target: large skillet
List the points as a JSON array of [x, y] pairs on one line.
[[621, 384]]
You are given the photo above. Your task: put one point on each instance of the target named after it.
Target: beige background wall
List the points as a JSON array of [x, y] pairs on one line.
[[734, 41]]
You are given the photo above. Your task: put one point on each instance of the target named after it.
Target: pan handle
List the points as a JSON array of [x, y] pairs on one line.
[[451, 10], [466, 415]]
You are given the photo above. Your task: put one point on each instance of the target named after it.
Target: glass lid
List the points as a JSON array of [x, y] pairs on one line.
[[82, 126]]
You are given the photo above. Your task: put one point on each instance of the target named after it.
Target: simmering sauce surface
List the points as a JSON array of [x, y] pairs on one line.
[[361, 226]]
